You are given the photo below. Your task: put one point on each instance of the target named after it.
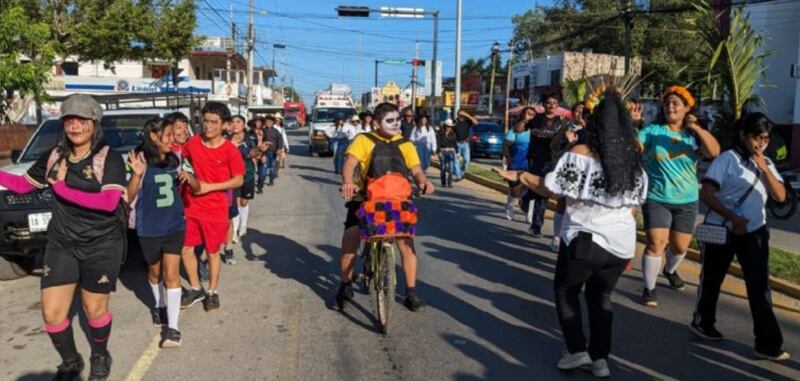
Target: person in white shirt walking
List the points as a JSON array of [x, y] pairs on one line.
[[424, 138], [285, 150]]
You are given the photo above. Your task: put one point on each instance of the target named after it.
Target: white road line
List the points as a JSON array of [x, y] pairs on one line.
[[145, 360]]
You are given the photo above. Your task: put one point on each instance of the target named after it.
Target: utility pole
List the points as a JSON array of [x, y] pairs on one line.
[[457, 101], [495, 52], [250, 46], [376, 73], [627, 14], [508, 88], [433, 65], [414, 81]]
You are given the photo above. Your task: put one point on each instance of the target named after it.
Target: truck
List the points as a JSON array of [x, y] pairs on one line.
[[294, 114], [24, 218], [330, 104]]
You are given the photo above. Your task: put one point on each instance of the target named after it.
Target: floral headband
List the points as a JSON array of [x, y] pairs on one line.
[[681, 92]]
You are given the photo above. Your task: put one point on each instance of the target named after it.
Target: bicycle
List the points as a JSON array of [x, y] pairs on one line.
[[379, 273]]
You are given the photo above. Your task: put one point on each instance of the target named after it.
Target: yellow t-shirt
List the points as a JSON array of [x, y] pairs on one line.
[[361, 149]]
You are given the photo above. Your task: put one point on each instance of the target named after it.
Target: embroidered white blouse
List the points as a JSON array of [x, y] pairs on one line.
[[580, 180]]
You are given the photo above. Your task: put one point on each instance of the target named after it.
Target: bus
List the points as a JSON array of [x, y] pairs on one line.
[[294, 113]]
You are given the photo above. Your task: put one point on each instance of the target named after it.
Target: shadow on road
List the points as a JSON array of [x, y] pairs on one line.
[[320, 180], [526, 338]]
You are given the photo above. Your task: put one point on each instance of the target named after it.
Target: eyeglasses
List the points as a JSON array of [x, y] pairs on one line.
[[391, 120]]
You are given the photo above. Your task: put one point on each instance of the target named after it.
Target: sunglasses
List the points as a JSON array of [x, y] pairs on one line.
[[391, 120]]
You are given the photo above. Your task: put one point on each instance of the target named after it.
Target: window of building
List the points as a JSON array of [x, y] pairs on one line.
[[527, 83]]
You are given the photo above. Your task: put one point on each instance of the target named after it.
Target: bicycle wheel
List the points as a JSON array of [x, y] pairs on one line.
[[384, 284]]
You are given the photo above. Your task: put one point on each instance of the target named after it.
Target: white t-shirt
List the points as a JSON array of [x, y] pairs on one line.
[[426, 136], [733, 176], [579, 179], [283, 135]]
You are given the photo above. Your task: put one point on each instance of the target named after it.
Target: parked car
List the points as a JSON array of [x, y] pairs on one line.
[[487, 139], [24, 218]]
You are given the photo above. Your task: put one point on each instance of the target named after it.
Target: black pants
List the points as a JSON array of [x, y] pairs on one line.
[[600, 273], [752, 251]]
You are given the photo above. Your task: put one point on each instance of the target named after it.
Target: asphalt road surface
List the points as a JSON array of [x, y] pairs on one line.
[[490, 313]]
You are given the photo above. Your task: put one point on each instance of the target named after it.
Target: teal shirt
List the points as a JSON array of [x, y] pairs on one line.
[[671, 163]]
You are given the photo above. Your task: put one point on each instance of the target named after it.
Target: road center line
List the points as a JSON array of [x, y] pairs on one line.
[[145, 360]]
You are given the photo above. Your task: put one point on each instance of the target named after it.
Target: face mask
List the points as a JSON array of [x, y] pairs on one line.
[[392, 128]]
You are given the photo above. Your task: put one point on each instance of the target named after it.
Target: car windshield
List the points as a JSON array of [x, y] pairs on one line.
[[121, 132], [292, 110], [327, 115], [291, 119], [482, 128]]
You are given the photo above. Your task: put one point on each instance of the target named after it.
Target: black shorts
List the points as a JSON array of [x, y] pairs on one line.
[[352, 218], [153, 248], [677, 217], [94, 267], [248, 190]]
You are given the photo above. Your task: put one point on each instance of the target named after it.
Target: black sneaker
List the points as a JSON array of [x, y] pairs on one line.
[[229, 257], [675, 280], [649, 298], [413, 302], [190, 297], [159, 316], [271, 183], [211, 303], [708, 333], [345, 293], [70, 370], [260, 189], [100, 366], [172, 339]]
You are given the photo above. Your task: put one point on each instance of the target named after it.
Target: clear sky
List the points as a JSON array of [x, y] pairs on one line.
[[321, 48]]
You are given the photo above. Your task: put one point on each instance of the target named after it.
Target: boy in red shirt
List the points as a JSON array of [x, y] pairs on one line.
[[217, 167]]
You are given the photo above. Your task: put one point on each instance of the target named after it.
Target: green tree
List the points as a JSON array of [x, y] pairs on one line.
[[669, 47], [172, 36], [735, 60], [26, 55]]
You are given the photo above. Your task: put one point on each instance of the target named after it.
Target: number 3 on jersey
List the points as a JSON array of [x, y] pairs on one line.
[[165, 185]]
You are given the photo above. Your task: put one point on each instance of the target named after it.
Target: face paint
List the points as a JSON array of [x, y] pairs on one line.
[[390, 124]]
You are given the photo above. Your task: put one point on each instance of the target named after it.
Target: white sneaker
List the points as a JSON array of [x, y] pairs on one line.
[[510, 212], [555, 244], [574, 360], [600, 368]]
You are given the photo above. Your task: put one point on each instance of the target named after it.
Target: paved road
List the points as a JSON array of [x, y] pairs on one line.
[[490, 313]]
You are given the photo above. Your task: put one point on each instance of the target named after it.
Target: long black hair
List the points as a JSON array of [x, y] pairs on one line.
[[750, 124], [152, 154], [610, 135]]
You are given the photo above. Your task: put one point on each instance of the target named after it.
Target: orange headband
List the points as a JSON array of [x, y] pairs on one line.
[[681, 92]]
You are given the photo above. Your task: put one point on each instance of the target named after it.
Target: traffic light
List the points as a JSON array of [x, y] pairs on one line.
[[350, 11], [417, 62]]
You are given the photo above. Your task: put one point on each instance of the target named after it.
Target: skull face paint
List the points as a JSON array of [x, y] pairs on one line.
[[390, 124]]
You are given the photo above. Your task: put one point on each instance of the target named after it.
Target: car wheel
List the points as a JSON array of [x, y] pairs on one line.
[[15, 267]]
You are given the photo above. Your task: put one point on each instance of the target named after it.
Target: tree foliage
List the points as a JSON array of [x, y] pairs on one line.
[[735, 60], [666, 42], [26, 54]]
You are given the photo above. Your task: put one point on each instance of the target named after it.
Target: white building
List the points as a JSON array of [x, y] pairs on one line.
[[779, 23]]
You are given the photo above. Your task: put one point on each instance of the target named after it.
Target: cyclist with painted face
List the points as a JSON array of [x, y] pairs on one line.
[[363, 160]]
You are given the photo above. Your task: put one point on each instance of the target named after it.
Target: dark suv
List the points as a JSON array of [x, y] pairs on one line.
[[24, 218]]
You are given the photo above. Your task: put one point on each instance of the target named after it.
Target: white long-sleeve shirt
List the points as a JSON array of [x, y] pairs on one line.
[[285, 138], [425, 136]]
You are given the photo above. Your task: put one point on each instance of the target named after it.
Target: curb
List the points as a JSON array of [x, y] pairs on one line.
[[777, 284]]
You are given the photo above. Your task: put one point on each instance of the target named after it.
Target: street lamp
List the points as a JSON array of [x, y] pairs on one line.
[[495, 53], [359, 11]]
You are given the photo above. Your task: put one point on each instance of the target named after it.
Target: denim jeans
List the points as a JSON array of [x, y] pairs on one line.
[[461, 170], [339, 149], [448, 167], [424, 155]]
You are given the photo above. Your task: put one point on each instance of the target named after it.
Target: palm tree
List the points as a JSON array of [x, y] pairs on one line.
[[736, 59]]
